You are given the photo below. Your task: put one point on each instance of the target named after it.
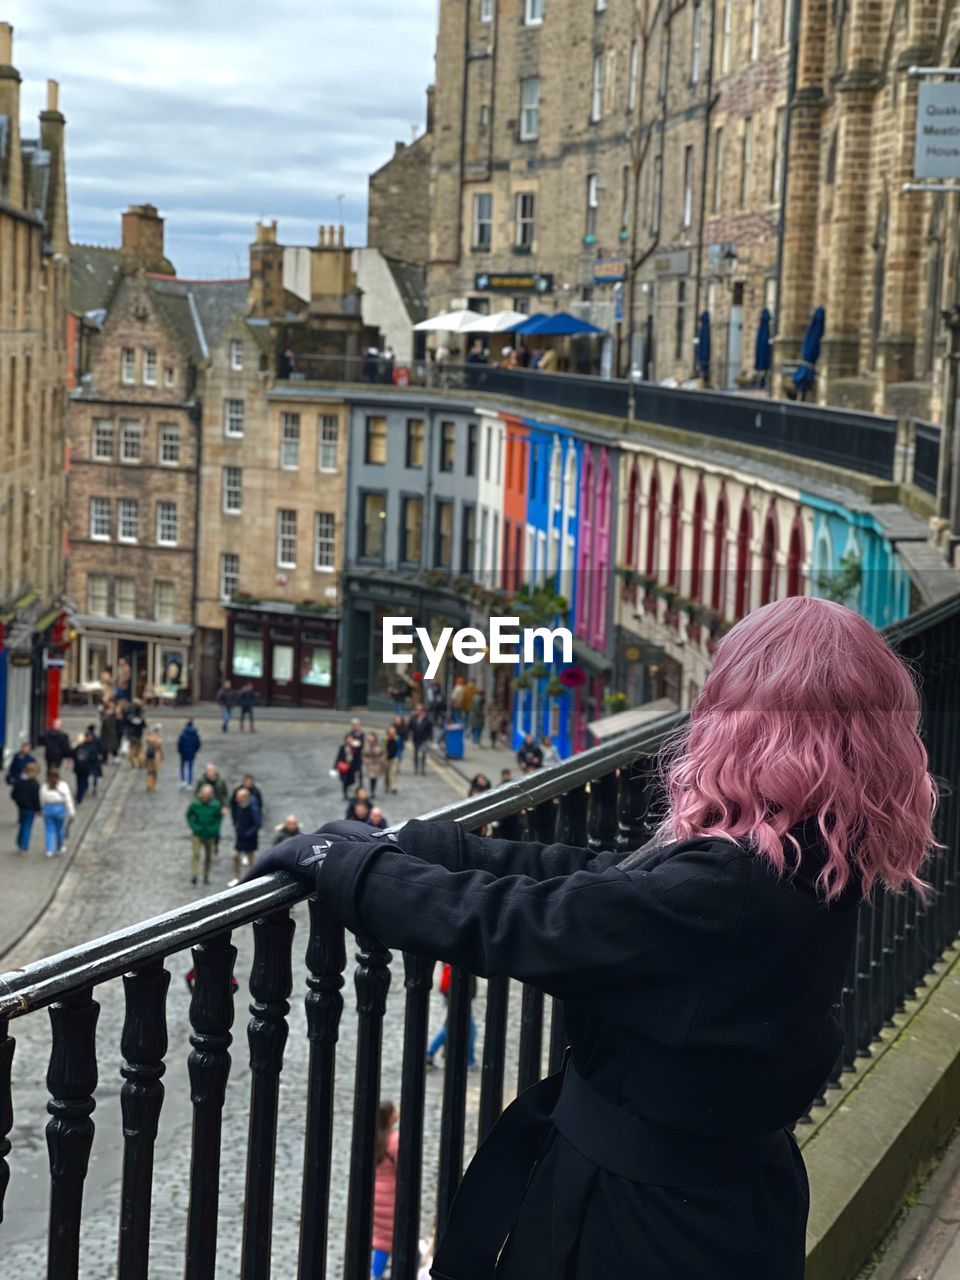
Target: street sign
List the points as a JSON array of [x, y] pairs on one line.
[[938, 130], [532, 282], [618, 304], [607, 270]]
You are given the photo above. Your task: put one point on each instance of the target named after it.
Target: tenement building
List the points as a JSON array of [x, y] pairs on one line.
[[642, 164], [33, 302]]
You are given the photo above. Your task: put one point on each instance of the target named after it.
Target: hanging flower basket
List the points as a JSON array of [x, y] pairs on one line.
[[573, 677], [555, 687], [614, 702], [538, 671], [522, 682]]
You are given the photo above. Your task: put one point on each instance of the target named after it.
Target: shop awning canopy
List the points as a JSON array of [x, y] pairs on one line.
[[447, 322], [499, 322], [632, 718], [560, 325]]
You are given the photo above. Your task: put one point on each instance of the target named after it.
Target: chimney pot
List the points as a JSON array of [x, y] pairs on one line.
[[53, 95], [333, 235], [6, 44], [340, 234]]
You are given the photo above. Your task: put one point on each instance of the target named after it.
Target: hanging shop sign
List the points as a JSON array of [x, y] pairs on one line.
[[532, 282], [938, 130], [609, 270]]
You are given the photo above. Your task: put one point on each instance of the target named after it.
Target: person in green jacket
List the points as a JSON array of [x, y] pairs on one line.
[[204, 817], [211, 777], [478, 715]]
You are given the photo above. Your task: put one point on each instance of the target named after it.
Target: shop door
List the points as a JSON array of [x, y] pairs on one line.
[[19, 684], [283, 685], [735, 337], [359, 658]]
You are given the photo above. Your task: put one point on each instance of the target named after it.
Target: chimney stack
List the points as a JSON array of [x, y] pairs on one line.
[[52, 128], [11, 165], [143, 238], [266, 295]]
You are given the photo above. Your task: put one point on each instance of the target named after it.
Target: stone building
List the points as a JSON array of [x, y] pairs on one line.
[[33, 308], [398, 203], [883, 262]]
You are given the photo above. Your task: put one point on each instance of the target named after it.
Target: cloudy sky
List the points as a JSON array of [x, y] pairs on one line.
[[224, 111]]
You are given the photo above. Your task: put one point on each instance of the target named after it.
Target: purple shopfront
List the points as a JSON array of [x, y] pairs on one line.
[[289, 658]]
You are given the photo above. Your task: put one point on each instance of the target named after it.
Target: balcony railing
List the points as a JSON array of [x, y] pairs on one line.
[[604, 798], [861, 442]]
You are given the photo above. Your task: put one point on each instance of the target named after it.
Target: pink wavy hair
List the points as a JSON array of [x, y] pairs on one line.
[[807, 713]]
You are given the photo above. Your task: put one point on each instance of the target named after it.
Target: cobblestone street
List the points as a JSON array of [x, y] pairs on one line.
[[135, 864]]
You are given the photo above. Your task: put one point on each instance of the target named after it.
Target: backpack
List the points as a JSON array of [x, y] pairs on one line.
[[151, 751]]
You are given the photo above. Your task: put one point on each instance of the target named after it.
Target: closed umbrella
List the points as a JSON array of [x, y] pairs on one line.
[[805, 373], [703, 347], [763, 358]]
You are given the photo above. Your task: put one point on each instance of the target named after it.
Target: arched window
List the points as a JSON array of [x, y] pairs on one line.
[[556, 460], [768, 558], [742, 601], [633, 528], [795, 559], [718, 592], [696, 554], [653, 527], [676, 511]]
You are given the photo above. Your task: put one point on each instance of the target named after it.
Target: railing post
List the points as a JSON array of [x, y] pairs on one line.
[[7, 1046], [572, 818], [494, 1054], [326, 961], [418, 978], [602, 814], [372, 980], [531, 1038], [144, 1046], [211, 1016], [71, 1081], [271, 981], [453, 1115], [637, 794]]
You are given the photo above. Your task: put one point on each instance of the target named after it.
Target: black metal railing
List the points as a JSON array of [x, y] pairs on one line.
[[862, 442], [926, 456], [605, 798]]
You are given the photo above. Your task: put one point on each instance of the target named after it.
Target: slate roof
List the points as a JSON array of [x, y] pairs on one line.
[[95, 273], [411, 281], [199, 310]]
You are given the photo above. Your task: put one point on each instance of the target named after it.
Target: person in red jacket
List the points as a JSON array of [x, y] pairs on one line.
[[385, 1187]]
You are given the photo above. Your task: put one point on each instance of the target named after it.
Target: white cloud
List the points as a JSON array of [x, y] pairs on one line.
[[223, 111]]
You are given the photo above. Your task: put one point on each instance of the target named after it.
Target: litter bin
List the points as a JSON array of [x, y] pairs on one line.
[[454, 741]]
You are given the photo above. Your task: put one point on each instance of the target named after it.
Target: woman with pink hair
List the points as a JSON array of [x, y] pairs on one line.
[[698, 974]]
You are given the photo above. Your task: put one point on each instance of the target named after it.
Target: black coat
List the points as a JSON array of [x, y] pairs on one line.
[[56, 748], [26, 795], [697, 990]]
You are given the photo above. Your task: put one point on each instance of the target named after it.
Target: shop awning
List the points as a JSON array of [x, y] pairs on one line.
[[632, 718], [133, 628]]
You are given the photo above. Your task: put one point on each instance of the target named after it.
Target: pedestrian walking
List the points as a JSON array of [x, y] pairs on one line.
[[377, 820], [478, 717], [56, 745], [347, 764], [26, 796], [247, 783], [188, 748], [478, 784], [494, 716], [394, 751], [421, 735], [549, 752], [134, 727], [99, 757], [386, 1151], [226, 700], [247, 821], [153, 756], [707, 961], [57, 807], [111, 731], [86, 764], [211, 778], [529, 756], [457, 699], [399, 690], [360, 798], [374, 760], [440, 1039], [204, 816], [288, 828], [247, 701], [19, 762]]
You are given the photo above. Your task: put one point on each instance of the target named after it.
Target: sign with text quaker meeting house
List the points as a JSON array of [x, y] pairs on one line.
[[938, 130]]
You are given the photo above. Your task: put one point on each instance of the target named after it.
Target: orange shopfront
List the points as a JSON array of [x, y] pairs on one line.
[[289, 657]]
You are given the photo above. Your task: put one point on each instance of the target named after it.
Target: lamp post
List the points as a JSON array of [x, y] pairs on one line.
[[948, 487]]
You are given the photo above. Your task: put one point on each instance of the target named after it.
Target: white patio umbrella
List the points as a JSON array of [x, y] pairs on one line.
[[447, 322], [499, 322]]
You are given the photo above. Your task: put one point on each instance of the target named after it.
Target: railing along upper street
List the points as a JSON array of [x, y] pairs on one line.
[[605, 798], [862, 442]]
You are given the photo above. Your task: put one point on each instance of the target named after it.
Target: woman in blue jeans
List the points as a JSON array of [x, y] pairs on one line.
[[440, 1039], [56, 805]]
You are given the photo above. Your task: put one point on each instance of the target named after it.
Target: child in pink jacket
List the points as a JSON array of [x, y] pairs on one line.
[[385, 1187]]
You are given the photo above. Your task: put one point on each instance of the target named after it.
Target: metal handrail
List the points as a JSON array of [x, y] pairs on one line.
[[39, 984]]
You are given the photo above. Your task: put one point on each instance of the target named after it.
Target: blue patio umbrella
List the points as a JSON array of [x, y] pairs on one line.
[[560, 325], [810, 352], [703, 347], [763, 357]]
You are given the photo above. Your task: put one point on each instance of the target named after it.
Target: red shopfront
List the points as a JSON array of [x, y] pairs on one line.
[[290, 658]]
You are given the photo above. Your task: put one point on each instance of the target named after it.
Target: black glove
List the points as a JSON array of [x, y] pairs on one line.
[[303, 855]]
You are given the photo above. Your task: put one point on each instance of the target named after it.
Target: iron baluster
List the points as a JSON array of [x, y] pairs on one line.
[[144, 1046], [572, 818], [529, 1069], [271, 981], [326, 961], [7, 1046], [71, 1082], [211, 1016], [453, 1117], [558, 1036], [372, 981], [494, 1054], [417, 981], [636, 799], [602, 814]]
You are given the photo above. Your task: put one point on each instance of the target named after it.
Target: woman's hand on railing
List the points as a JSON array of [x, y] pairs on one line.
[[304, 855]]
